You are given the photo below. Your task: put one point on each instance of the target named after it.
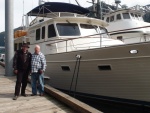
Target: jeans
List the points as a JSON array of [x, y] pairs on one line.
[[37, 82]]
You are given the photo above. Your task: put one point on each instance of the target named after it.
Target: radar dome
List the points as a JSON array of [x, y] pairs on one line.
[[117, 1]]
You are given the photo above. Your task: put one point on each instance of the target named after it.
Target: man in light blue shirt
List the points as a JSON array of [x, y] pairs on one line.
[[38, 66]]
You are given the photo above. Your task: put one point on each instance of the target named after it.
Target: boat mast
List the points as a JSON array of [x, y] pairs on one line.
[[117, 2], [99, 9], [40, 2], [94, 10]]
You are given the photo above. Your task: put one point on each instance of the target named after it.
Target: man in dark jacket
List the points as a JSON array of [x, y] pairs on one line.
[[22, 68]]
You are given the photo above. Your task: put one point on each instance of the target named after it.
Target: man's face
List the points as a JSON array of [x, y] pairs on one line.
[[37, 50], [24, 49]]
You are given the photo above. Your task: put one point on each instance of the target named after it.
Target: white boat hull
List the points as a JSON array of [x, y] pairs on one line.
[[128, 78]]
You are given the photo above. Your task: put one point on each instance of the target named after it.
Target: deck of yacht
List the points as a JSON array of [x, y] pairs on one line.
[[34, 104]]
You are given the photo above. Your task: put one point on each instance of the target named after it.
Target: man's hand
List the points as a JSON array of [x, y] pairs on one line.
[[40, 71], [16, 71], [29, 73]]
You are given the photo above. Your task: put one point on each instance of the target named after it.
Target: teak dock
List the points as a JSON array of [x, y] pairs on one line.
[[53, 102]]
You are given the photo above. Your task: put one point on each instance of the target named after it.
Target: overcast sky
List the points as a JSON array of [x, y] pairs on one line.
[[29, 4]]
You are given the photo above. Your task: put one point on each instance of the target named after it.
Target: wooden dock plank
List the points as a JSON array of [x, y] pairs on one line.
[[70, 101], [31, 104]]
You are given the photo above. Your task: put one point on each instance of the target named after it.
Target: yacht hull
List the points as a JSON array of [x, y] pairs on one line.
[[111, 72]]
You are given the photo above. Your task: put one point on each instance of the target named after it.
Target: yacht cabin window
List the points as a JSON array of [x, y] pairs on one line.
[[68, 29], [111, 18], [107, 20], [136, 16], [43, 32], [38, 34], [132, 15], [20, 45], [140, 17], [87, 29], [28, 43], [118, 17], [126, 16], [103, 32], [120, 38], [51, 31], [15, 47]]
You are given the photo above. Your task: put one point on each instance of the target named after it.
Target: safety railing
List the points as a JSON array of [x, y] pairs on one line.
[[96, 41], [81, 43]]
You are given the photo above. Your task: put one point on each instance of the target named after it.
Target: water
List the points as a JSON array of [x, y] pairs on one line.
[[111, 107]]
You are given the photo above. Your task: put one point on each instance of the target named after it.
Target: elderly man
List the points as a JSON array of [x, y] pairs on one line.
[[38, 66], [22, 68]]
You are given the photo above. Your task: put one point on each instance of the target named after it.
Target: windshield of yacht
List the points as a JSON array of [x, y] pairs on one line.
[[126, 16], [140, 17], [103, 32], [87, 29], [68, 29], [137, 16]]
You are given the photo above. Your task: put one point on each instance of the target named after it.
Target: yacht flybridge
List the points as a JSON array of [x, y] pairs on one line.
[[81, 57], [68, 30]]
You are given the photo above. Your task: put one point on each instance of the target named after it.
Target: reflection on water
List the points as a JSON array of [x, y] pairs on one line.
[[111, 107]]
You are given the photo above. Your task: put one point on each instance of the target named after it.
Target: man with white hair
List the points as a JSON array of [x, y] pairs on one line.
[[38, 66]]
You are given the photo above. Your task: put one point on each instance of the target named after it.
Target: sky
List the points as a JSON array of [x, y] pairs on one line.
[[21, 7]]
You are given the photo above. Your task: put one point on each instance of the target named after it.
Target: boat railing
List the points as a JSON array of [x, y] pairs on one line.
[[129, 29], [100, 34], [97, 41], [132, 35], [80, 37], [39, 19], [63, 14], [142, 9], [69, 44]]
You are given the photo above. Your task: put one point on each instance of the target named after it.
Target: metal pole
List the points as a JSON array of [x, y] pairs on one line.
[[98, 9], [27, 22], [77, 2], [94, 11], [66, 45], [40, 2], [9, 39]]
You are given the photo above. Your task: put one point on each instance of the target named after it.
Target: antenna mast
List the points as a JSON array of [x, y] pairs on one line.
[[77, 2], [41, 1], [94, 10], [117, 3]]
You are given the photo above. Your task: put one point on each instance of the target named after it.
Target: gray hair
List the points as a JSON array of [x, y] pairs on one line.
[[37, 46]]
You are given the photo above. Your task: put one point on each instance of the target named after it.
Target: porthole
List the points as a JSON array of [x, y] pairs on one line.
[[104, 67], [65, 68]]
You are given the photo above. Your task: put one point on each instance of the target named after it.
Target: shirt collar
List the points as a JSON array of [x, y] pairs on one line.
[[38, 53]]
